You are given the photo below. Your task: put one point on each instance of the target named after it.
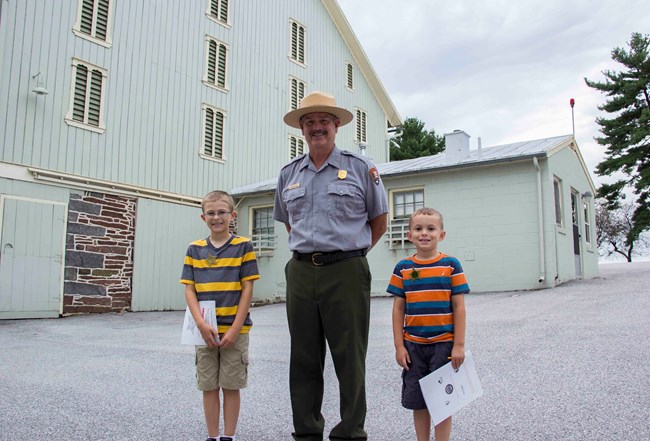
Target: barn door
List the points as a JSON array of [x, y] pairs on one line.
[[32, 243]]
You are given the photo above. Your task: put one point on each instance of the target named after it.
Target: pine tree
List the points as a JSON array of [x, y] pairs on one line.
[[627, 133], [412, 141]]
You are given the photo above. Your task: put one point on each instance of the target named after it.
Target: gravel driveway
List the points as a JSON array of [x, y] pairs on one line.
[[569, 363]]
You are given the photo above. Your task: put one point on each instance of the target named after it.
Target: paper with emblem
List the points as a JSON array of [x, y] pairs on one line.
[[446, 390], [191, 334]]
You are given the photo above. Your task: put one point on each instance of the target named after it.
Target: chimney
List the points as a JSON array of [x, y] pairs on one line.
[[456, 146]]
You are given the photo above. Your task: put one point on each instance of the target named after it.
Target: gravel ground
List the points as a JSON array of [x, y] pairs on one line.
[[569, 363]]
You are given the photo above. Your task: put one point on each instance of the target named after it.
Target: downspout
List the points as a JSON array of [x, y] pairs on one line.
[[540, 214]]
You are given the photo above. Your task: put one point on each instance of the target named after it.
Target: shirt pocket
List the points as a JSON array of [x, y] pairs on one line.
[[344, 200], [295, 202]]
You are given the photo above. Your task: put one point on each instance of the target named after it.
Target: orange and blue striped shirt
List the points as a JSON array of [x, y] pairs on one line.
[[217, 274], [427, 286]]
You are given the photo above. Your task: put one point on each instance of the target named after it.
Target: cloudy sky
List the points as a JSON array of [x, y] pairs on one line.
[[500, 70]]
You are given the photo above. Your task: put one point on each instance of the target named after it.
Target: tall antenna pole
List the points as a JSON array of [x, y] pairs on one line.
[[573, 102]]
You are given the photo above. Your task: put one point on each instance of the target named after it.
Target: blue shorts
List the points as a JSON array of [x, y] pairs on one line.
[[425, 358]]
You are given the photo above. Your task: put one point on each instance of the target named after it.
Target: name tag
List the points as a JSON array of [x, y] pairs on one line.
[[292, 186]]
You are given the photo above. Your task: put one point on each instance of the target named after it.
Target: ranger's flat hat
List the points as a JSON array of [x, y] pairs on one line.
[[317, 102]]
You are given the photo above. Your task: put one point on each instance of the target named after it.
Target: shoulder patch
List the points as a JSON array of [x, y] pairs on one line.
[[374, 175]]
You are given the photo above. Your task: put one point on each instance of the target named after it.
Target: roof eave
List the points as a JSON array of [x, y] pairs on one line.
[[342, 24], [465, 165]]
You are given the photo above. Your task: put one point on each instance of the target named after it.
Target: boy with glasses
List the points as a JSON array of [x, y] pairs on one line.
[[221, 267]]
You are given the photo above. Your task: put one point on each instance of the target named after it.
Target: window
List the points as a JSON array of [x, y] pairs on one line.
[[297, 49], [263, 230], [215, 63], [559, 211], [87, 96], [296, 147], [93, 21], [297, 92], [404, 202], [213, 121], [218, 11], [585, 206], [361, 126], [349, 73]]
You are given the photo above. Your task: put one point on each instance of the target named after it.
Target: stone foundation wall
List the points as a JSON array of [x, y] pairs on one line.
[[99, 253]]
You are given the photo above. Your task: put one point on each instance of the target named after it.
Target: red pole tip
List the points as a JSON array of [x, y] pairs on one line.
[[572, 102]]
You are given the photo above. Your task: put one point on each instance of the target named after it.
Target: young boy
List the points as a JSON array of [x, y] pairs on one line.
[[222, 268], [428, 315]]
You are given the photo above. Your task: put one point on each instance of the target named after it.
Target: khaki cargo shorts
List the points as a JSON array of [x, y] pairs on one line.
[[222, 368]]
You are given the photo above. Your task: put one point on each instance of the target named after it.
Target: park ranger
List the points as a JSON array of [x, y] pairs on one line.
[[334, 206]]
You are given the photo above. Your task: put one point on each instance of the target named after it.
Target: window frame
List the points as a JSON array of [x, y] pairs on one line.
[[295, 94], [70, 115], [271, 238], [219, 6], [298, 140], [361, 126], [77, 30], [300, 46], [587, 228], [558, 202], [219, 44], [204, 114], [398, 226], [349, 76]]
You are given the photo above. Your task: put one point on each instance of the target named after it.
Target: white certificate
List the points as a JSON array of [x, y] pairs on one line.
[[191, 334], [446, 391]]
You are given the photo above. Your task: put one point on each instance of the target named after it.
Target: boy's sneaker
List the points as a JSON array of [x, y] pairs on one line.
[[225, 438], [211, 439]]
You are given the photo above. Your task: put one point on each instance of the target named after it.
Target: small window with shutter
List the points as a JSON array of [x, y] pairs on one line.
[[213, 129], [87, 96], [297, 88], [94, 20], [216, 58], [296, 147], [218, 11], [297, 42], [349, 76], [361, 132]]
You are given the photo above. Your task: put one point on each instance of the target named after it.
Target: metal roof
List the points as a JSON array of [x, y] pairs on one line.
[[499, 153]]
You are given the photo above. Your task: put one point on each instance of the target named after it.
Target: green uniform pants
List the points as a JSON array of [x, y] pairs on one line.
[[328, 303]]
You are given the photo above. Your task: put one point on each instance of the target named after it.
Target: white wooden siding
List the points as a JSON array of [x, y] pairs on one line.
[[152, 106]]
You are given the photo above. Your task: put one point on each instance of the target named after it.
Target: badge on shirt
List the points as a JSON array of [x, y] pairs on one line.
[[292, 186], [343, 174], [211, 260], [374, 175]]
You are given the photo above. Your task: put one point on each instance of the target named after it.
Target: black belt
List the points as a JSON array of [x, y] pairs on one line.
[[318, 259]]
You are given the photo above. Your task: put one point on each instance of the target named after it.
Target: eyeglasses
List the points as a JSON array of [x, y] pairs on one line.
[[221, 213], [309, 122]]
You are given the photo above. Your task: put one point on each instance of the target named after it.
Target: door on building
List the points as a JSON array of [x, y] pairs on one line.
[[32, 243], [575, 212]]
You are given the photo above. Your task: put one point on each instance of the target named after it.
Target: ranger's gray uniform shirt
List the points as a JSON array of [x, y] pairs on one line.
[[329, 209]]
